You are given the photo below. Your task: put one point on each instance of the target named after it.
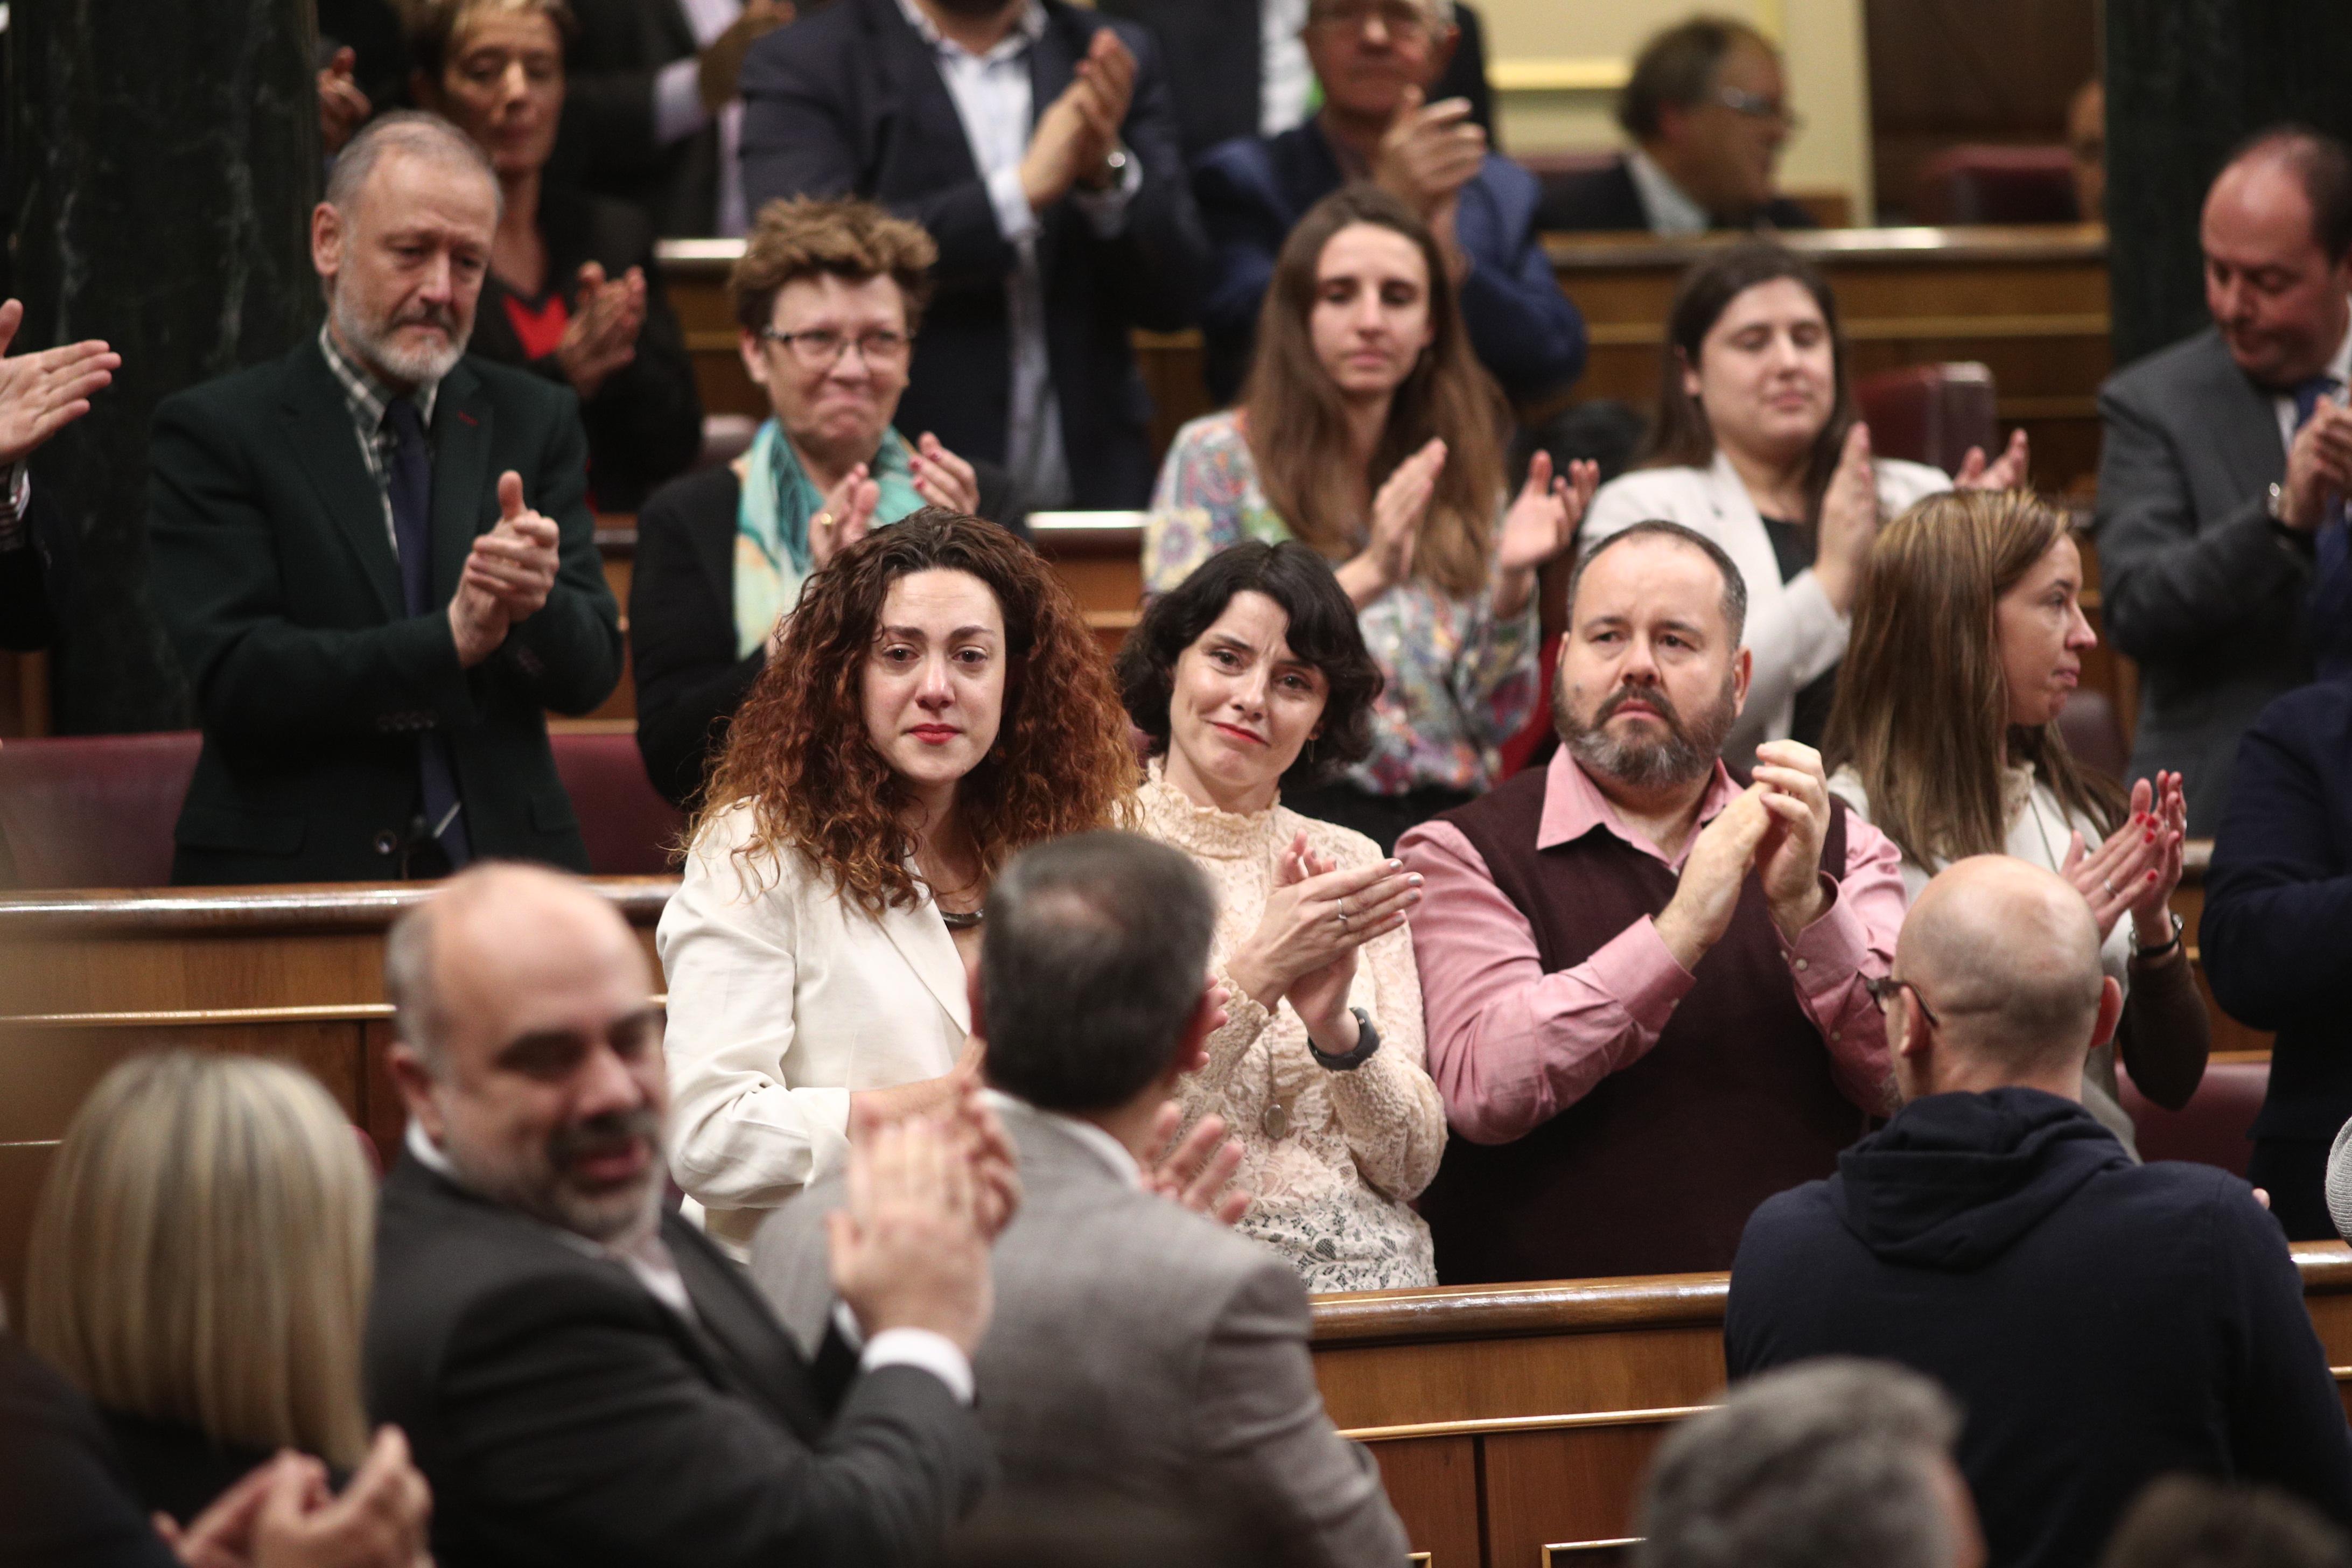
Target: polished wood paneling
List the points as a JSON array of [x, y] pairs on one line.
[[1433, 1483]]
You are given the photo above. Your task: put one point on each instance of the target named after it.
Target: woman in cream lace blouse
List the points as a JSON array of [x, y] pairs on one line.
[[1250, 675]]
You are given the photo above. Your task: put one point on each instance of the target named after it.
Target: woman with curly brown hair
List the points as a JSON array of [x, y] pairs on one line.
[[936, 705]]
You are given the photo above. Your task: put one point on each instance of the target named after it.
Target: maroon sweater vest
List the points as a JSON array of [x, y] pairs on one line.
[[1655, 1171]]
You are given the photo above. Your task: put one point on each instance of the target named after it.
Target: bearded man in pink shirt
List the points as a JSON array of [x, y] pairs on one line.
[[1646, 981]]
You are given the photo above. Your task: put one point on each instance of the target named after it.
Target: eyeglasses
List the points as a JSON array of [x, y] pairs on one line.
[[822, 348], [1755, 106], [1401, 18], [1884, 988]]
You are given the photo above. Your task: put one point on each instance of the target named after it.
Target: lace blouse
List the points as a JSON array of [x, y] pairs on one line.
[[1353, 1147]]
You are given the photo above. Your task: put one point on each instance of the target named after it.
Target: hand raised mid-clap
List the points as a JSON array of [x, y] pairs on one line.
[[908, 1250], [41, 394], [508, 575]]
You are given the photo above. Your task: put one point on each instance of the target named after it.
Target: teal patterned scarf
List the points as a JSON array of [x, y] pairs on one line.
[[771, 547]]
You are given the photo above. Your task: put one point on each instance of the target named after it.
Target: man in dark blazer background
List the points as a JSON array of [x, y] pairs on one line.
[[1707, 111], [1065, 226], [1379, 122], [583, 1377], [2223, 460], [372, 617], [1225, 83]]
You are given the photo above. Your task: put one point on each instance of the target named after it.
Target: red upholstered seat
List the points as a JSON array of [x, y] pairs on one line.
[[2093, 734], [1929, 413], [97, 811], [2211, 1130], [628, 826], [1996, 184], [94, 811]]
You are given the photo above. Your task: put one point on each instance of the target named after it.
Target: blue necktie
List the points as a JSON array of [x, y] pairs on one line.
[[411, 488]]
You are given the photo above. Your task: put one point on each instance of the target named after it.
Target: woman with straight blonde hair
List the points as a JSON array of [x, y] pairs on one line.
[[199, 1268], [1968, 638]]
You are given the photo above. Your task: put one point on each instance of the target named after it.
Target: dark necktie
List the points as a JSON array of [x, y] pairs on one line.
[[410, 483]]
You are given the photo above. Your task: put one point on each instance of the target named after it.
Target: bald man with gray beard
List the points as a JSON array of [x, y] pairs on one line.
[[2103, 1322]]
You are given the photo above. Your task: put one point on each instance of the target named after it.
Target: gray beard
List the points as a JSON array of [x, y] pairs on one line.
[[382, 357]]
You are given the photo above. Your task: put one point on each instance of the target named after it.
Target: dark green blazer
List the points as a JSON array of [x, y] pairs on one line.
[[275, 572]]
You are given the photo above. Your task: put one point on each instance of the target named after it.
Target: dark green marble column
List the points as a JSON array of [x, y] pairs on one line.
[[163, 158], [2186, 80]]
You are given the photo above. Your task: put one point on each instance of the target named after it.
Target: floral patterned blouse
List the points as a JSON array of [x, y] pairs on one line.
[[1460, 681]]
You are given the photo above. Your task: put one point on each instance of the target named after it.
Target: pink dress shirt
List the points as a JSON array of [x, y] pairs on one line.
[[1511, 1047]]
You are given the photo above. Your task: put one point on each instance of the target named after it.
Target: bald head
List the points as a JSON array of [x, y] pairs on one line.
[[502, 930], [2006, 954], [531, 1051]]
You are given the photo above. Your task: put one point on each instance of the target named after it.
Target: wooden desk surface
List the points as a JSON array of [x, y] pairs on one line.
[[1513, 1424]]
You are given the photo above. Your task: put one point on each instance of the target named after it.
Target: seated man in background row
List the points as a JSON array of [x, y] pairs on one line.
[[1837, 1463], [584, 1377], [1706, 106], [1377, 59], [1647, 987], [1035, 141], [1137, 1350], [2223, 457], [373, 618], [1239, 68], [2104, 1323]]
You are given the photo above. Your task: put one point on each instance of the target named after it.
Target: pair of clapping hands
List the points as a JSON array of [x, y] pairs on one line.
[[929, 1194], [1077, 133], [1774, 827], [1316, 921], [284, 1515], [508, 575], [2136, 868]]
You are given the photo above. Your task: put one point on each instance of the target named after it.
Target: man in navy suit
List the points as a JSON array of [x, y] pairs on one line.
[[1036, 142], [1378, 61]]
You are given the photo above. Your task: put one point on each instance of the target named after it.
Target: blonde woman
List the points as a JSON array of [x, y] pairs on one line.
[[199, 1269]]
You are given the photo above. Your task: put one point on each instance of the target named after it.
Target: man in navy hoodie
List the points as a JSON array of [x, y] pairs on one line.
[[2103, 1322]]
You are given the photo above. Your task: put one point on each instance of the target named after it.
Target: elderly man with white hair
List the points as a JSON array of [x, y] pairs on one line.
[[2103, 1322], [376, 559]]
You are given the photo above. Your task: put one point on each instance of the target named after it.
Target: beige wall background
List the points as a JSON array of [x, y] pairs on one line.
[[1557, 65]]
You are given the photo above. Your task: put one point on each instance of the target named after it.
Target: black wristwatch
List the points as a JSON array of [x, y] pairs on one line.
[[2149, 955], [1367, 1040]]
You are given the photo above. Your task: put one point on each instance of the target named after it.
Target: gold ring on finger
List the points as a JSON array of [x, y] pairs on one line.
[[821, 520]]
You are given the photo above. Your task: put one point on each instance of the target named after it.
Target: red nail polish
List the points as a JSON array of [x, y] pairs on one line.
[[2151, 876]]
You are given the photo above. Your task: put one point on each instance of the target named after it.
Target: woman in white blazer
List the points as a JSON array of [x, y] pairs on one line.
[[938, 704], [1754, 444]]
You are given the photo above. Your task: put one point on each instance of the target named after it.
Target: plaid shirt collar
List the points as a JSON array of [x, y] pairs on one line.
[[366, 397]]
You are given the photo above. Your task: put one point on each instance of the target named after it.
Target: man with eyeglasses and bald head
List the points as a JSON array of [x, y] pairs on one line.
[[1379, 62], [1707, 109]]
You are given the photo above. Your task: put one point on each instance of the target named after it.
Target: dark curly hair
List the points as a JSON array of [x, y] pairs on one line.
[[798, 749], [1323, 632]]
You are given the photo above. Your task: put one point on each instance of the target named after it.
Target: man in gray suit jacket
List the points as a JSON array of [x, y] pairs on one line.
[[1137, 1350], [2224, 456]]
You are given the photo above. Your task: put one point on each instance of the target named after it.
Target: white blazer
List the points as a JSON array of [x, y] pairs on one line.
[[784, 996], [1793, 633]]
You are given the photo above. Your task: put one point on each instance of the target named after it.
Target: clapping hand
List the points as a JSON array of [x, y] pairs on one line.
[[601, 338], [1401, 502], [907, 1250], [283, 1514], [1315, 919], [1848, 523], [41, 394], [2135, 869], [844, 517], [995, 1164], [1079, 130], [516, 559], [1319, 994], [720, 67], [942, 478], [1789, 855], [1708, 893], [1539, 527], [1194, 1174], [1428, 151], [2009, 473], [2318, 465], [343, 107]]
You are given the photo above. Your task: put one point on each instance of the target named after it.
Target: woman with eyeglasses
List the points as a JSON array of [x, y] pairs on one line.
[[828, 295]]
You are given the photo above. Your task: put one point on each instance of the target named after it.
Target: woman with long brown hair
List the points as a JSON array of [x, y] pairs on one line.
[[937, 704], [1969, 637], [1754, 443], [1368, 431]]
